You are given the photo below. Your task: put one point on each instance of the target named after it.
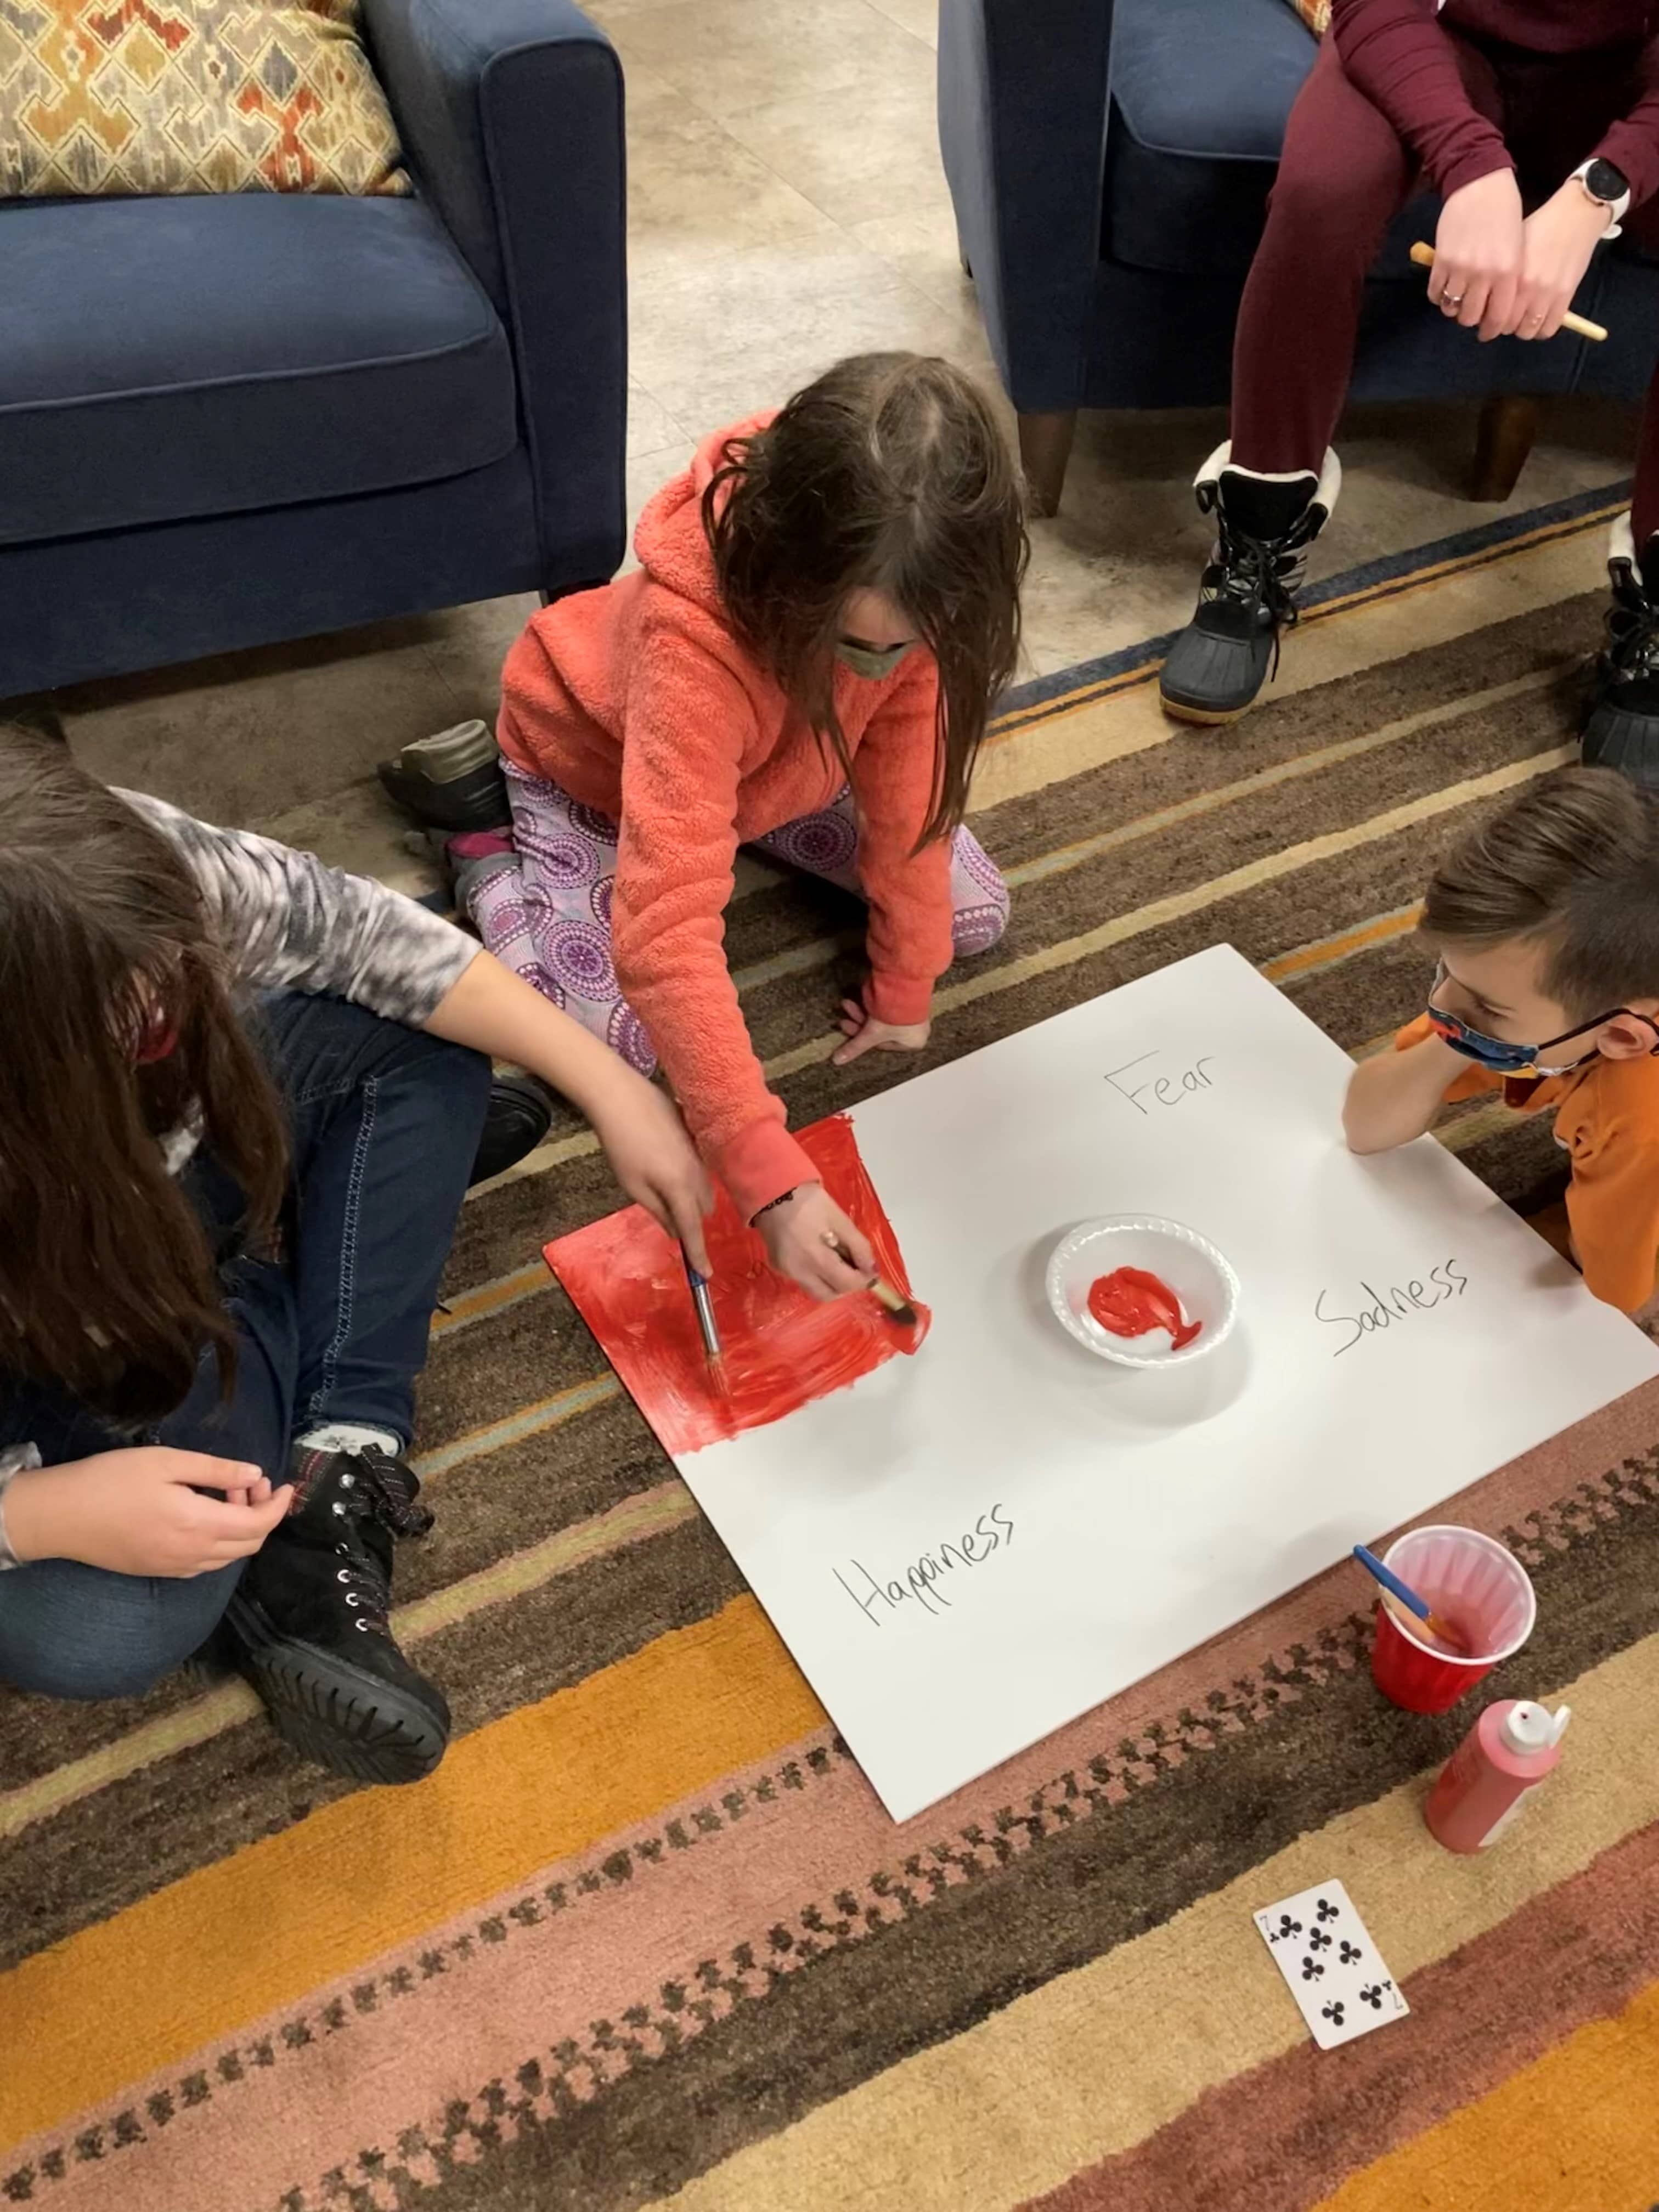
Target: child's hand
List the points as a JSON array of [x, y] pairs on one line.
[[1395, 1097], [654, 1159], [141, 1512], [1478, 251], [864, 1033], [800, 1235]]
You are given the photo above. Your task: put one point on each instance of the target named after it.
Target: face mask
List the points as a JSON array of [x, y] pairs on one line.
[[868, 659], [1505, 1059]]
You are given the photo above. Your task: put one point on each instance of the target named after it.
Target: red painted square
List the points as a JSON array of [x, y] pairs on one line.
[[781, 1349]]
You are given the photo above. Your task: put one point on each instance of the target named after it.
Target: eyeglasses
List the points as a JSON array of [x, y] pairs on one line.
[[1506, 1059]]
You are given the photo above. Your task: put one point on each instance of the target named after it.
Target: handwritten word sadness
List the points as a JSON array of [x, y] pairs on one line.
[[1446, 1282], [1149, 1091], [924, 1579]]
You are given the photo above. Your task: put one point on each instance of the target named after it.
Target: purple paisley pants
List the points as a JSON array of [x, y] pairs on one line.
[[545, 909]]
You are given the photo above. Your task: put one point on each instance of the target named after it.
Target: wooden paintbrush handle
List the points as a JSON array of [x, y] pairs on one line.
[[1581, 326], [882, 1292]]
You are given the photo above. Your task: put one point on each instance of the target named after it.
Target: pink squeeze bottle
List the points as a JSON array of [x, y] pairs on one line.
[[1510, 1751]]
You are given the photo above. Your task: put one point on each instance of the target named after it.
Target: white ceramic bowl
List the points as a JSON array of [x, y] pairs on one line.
[[1199, 1275]]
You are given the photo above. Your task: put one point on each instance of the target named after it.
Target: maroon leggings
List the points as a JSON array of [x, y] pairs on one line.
[[1343, 177]]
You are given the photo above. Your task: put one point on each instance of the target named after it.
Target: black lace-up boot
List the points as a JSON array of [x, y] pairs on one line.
[[1622, 728], [1264, 526], [308, 1626]]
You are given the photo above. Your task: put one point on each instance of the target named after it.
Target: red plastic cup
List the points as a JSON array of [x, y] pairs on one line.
[[1481, 1588]]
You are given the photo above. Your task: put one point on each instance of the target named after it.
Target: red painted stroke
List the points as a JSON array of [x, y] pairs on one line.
[[1129, 1302], [781, 1349]]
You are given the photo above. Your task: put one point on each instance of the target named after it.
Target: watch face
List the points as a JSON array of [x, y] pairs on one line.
[[1605, 182]]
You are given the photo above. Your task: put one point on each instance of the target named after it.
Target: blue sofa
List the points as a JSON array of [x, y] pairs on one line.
[[1110, 162], [227, 420]]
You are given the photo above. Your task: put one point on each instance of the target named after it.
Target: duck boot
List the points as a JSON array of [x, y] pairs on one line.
[[1264, 526]]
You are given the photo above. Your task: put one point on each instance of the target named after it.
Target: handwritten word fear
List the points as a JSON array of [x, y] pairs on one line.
[[924, 1581], [1403, 1301], [1147, 1092]]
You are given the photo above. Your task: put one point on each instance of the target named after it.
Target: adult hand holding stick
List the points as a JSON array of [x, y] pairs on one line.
[[1426, 258], [1475, 262]]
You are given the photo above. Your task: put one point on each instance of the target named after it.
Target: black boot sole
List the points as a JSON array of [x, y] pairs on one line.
[[1208, 717], [341, 1716]]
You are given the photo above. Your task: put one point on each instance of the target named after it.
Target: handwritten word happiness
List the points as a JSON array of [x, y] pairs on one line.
[[1147, 1090], [923, 1581], [1403, 1302]]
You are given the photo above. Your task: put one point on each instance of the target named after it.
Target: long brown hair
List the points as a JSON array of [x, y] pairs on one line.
[[889, 474], [1572, 862], [115, 1029]]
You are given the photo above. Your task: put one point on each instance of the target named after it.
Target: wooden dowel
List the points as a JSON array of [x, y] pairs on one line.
[[1581, 326]]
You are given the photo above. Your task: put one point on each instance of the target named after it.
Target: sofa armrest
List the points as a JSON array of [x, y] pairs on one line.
[[510, 113], [1024, 91]]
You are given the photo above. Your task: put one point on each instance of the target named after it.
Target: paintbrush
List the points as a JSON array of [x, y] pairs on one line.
[[894, 1301], [1424, 1612], [705, 1310]]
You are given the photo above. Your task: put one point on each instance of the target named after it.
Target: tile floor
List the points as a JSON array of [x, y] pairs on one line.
[[785, 206]]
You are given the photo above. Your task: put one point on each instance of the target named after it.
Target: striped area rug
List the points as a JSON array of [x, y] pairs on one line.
[[647, 1936]]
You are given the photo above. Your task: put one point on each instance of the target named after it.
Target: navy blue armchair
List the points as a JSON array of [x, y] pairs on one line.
[[227, 420], [1110, 162]]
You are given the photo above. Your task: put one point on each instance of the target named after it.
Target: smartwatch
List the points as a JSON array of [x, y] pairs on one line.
[[1608, 187]]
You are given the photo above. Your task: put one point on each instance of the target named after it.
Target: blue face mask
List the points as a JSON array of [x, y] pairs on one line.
[[1505, 1059], [875, 661]]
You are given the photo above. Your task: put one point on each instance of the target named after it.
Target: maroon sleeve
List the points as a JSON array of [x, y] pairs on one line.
[[1633, 144], [1399, 56]]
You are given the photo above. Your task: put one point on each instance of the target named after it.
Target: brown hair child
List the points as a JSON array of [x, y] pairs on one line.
[[238, 1115], [827, 603]]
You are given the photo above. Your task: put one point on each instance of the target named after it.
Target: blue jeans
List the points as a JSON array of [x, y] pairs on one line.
[[385, 1123]]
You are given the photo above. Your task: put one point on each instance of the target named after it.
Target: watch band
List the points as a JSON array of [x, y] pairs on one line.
[[1617, 208]]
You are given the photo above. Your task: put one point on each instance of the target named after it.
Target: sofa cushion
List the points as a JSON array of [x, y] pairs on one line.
[[172, 358], [192, 96], [1201, 89]]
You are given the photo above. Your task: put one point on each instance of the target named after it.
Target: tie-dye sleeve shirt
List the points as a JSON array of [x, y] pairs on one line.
[[290, 923]]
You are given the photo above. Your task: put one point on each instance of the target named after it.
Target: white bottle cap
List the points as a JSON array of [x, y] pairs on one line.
[[1528, 1727]]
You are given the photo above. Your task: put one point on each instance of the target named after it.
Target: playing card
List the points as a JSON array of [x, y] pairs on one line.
[[1332, 1966]]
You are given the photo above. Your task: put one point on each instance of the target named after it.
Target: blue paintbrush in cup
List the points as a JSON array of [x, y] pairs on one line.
[[1434, 1622]]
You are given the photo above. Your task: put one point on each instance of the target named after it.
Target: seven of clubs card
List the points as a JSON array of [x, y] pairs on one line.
[[1331, 1964]]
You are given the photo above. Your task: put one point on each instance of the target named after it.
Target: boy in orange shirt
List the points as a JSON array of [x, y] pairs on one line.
[[1546, 918]]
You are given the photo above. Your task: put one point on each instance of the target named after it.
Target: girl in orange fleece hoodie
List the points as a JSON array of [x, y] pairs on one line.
[[827, 602]]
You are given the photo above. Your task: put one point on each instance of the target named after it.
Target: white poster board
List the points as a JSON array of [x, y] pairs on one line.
[[1138, 1514]]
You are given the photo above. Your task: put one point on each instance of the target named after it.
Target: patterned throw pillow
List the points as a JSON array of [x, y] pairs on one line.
[[1315, 14], [189, 96]]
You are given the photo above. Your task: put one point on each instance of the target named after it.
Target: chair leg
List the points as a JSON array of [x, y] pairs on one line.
[[1045, 447], [1509, 423]]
